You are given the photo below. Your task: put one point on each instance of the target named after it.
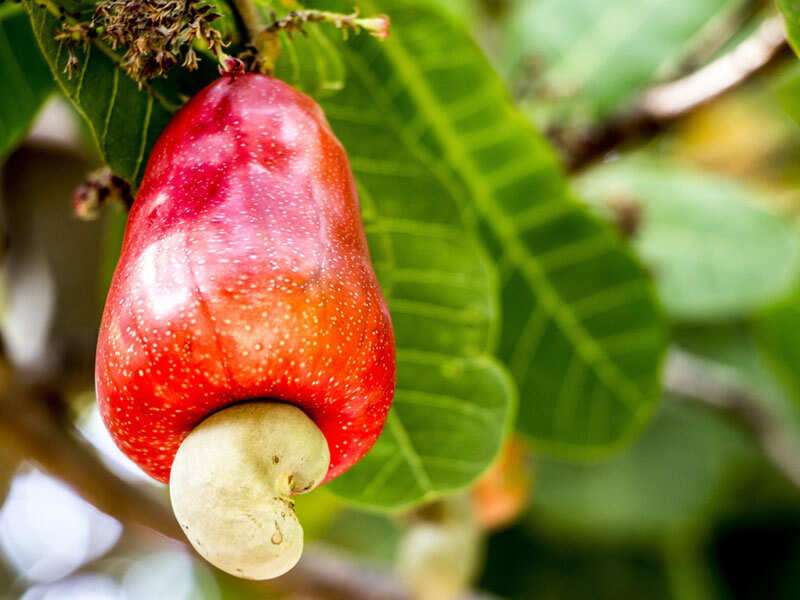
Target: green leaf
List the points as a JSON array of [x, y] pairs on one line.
[[791, 13], [738, 355], [580, 328], [26, 79], [371, 538], [714, 248], [734, 346], [523, 565], [124, 120], [586, 59], [310, 61], [666, 482], [778, 335], [453, 403], [787, 90]]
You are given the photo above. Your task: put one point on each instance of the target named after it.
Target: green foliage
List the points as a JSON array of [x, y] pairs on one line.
[[580, 330], [453, 404], [778, 335], [521, 566], [791, 13], [502, 284], [26, 79], [439, 152], [311, 62], [448, 420], [125, 120], [737, 349], [586, 59], [226, 23], [441, 170], [716, 252], [788, 92], [640, 495]]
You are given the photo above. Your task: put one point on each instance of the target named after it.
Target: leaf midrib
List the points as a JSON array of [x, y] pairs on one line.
[[590, 352], [413, 458], [381, 226]]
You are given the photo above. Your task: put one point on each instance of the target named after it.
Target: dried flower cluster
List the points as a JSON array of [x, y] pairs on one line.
[[73, 35], [156, 35]]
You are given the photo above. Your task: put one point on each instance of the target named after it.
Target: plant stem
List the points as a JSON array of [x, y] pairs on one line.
[[377, 26], [251, 18], [665, 103], [265, 38], [266, 44]]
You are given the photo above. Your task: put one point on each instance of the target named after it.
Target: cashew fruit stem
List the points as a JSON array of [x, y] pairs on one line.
[[232, 481]]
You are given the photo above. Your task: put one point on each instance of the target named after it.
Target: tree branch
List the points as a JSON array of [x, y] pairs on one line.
[[663, 104], [707, 383], [34, 425], [30, 426]]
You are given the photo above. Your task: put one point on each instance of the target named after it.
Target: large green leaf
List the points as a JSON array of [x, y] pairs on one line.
[[580, 329], [714, 248], [26, 79], [453, 403], [585, 59]]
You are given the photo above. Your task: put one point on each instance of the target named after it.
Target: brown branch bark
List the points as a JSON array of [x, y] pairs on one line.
[[701, 381], [31, 427], [663, 104]]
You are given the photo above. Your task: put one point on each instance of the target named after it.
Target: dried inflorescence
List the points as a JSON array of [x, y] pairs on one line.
[[73, 35], [155, 34]]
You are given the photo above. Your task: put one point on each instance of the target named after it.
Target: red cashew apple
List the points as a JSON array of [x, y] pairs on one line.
[[246, 352]]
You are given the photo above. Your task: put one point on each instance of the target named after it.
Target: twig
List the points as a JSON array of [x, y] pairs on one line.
[[665, 103], [699, 380], [297, 19], [248, 14]]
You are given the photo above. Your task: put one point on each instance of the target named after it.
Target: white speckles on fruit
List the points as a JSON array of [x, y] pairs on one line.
[[231, 483], [244, 274]]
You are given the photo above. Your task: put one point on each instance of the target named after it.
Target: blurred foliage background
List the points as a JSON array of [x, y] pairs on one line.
[[701, 501]]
